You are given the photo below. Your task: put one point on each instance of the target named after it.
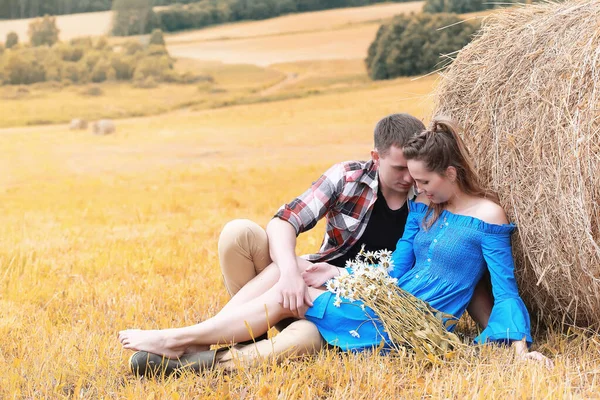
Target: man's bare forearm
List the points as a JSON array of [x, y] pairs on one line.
[[282, 245]]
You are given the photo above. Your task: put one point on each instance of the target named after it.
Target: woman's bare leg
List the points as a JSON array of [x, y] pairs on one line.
[[229, 325]]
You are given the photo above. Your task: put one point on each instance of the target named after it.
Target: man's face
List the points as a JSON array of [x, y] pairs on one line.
[[393, 170]]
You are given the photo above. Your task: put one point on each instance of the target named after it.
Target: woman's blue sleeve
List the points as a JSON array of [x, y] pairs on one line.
[[404, 255], [509, 319]]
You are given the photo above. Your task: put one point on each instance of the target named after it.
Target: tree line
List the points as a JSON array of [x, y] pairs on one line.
[[15, 9], [86, 60], [138, 16], [467, 6]]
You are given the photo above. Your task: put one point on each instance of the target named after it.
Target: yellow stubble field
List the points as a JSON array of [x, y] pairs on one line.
[[323, 35], [99, 234]]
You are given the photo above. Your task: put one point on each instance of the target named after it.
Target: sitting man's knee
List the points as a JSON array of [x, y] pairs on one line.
[[238, 229]]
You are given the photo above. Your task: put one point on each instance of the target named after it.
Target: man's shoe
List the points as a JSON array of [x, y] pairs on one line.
[[152, 365]]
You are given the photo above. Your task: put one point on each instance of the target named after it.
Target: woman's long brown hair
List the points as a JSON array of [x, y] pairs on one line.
[[440, 147]]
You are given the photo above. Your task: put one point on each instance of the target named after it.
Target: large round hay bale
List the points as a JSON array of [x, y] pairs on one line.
[[103, 127], [527, 93]]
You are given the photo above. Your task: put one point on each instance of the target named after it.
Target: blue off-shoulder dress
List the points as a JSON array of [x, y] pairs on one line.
[[440, 265]]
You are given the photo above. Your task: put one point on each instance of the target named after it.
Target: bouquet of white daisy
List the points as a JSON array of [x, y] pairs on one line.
[[409, 322]]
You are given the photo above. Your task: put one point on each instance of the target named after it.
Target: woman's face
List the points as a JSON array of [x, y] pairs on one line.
[[437, 188]]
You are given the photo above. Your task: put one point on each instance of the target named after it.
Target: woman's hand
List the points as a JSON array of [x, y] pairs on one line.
[[522, 353], [317, 274]]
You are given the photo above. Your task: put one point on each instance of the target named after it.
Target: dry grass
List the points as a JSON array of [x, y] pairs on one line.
[[527, 92], [49, 104], [98, 234], [234, 84], [346, 43]]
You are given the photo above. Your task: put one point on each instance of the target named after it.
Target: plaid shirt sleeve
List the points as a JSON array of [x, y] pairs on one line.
[[305, 211]]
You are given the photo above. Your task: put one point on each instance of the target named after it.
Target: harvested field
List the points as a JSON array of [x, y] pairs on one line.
[[71, 26], [347, 43], [294, 23]]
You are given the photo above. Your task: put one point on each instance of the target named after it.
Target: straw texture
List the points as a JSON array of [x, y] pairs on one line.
[[526, 91]]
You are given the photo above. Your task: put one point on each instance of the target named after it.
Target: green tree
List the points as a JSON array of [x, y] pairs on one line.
[[23, 68], [157, 38], [412, 44], [465, 6], [103, 71], [133, 17], [43, 31], [12, 39]]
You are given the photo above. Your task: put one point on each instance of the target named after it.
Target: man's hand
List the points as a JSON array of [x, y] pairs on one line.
[[293, 294], [317, 274]]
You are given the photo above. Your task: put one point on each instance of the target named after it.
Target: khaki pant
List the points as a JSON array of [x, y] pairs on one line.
[[243, 254]]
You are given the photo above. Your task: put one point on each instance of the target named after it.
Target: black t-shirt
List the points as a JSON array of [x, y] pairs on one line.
[[383, 231]]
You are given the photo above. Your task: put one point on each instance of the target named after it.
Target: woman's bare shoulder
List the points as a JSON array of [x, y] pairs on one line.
[[490, 212]]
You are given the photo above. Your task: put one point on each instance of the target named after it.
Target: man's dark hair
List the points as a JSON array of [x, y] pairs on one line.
[[395, 130]]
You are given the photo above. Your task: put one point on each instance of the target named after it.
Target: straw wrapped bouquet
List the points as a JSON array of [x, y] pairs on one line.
[[409, 322], [527, 93]]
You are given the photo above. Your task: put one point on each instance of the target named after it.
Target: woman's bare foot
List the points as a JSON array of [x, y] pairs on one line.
[[153, 341]]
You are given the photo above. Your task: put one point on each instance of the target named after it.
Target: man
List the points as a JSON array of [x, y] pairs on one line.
[[364, 204]]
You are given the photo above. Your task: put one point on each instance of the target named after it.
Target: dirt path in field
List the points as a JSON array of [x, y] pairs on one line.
[[290, 79]]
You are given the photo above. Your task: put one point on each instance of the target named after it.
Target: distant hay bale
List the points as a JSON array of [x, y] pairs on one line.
[[78, 124], [103, 127], [527, 92]]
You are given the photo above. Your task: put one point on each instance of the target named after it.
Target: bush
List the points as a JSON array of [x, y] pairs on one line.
[[68, 52], [43, 31], [189, 77], [92, 91], [81, 62], [22, 68], [12, 39], [53, 67], [103, 71], [124, 66], [156, 50], [412, 44], [148, 83], [156, 67], [91, 58], [157, 38], [101, 43], [85, 42], [132, 47], [75, 73]]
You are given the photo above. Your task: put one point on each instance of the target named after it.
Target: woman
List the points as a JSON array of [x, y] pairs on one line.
[[455, 228]]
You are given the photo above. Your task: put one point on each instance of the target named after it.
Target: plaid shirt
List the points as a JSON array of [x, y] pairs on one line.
[[345, 195]]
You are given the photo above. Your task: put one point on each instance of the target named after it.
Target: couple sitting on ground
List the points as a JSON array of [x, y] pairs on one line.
[[444, 243]]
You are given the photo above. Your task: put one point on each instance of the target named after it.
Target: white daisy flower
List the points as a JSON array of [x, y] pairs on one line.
[[337, 302]]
